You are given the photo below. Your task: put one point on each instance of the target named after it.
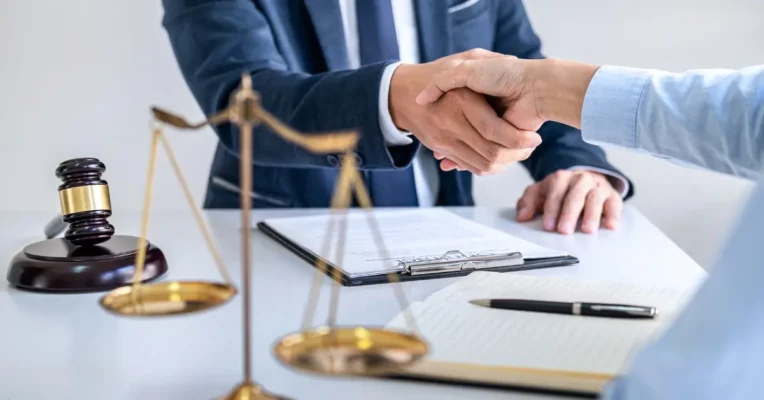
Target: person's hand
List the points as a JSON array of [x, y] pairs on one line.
[[565, 196], [533, 91], [462, 126]]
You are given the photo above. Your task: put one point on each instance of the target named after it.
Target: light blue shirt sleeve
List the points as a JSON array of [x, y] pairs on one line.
[[714, 119]]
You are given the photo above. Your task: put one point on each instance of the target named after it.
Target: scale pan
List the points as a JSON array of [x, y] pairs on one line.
[[350, 350], [167, 298]]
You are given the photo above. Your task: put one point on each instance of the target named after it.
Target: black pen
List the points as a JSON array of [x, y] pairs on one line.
[[558, 307]]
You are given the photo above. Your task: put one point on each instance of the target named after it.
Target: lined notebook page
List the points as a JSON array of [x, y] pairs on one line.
[[460, 332], [418, 234]]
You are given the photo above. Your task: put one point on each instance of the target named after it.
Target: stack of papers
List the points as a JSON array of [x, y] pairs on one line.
[[474, 343], [408, 235]]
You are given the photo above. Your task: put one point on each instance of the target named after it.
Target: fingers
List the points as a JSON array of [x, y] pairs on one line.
[[529, 203], [556, 185], [454, 164], [595, 201], [613, 208], [473, 161], [458, 136], [449, 165], [462, 157], [579, 188], [494, 130]]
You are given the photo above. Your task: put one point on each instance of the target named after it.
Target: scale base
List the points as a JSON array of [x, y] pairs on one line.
[[57, 266], [251, 391]]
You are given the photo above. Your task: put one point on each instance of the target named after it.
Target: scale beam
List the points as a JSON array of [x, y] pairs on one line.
[[326, 349]]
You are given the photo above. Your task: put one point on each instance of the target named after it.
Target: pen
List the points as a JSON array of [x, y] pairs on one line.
[[557, 307]]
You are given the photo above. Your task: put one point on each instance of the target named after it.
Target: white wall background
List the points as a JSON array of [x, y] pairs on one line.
[[77, 79]]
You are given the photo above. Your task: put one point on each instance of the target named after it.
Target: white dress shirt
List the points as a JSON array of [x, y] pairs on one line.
[[425, 168]]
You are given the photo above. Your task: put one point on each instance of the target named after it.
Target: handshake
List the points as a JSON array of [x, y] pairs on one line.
[[479, 110]]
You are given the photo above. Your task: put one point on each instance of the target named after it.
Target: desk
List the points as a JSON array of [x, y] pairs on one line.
[[67, 347]]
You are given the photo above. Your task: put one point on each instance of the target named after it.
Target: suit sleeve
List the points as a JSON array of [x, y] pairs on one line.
[[562, 146], [214, 42]]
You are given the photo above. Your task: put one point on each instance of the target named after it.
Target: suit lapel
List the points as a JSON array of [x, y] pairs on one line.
[[327, 20], [432, 22]]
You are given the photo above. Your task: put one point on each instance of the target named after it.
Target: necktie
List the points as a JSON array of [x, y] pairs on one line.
[[378, 42]]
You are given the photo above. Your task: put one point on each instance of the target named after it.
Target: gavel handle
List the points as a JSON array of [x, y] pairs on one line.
[[55, 227]]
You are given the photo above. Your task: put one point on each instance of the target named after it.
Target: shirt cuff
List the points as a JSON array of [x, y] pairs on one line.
[[392, 135], [611, 103], [619, 182]]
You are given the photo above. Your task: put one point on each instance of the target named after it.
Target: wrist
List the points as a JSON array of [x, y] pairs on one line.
[[398, 97], [560, 87]]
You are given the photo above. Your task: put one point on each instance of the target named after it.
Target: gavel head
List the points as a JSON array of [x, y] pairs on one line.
[[85, 201]]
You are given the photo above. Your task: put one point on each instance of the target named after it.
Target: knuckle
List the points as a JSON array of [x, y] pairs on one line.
[[528, 139], [461, 94], [453, 95], [476, 52], [494, 154], [595, 196], [525, 154], [585, 179], [560, 175], [485, 165], [453, 63], [529, 191], [486, 129], [440, 143]]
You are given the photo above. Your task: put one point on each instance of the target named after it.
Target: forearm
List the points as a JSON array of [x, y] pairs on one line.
[[709, 118], [216, 41], [316, 104]]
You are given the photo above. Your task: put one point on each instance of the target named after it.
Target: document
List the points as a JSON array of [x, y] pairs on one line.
[[463, 333], [407, 235]]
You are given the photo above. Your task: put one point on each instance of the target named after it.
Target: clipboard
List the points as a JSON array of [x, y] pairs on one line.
[[452, 264]]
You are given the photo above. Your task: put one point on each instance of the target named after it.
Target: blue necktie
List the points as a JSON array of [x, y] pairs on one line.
[[378, 42]]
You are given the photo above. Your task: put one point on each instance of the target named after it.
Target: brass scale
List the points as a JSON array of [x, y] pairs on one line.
[[327, 349]]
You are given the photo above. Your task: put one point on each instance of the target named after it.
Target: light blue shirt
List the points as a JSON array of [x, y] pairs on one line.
[[712, 119]]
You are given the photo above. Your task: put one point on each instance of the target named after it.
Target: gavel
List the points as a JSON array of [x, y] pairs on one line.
[[85, 203]]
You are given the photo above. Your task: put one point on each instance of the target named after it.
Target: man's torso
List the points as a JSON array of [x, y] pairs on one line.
[[313, 37]]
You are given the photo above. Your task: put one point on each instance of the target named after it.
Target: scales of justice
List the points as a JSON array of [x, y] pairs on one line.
[[327, 349]]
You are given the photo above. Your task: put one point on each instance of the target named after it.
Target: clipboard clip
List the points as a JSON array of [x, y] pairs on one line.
[[455, 260]]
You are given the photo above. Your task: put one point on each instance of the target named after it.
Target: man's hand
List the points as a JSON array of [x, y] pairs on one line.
[[565, 196], [534, 91], [462, 126]]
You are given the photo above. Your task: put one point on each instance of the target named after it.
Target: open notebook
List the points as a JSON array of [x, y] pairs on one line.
[[553, 352], [411, 236]]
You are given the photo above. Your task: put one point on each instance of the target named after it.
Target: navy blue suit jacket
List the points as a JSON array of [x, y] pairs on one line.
[[295, 51]]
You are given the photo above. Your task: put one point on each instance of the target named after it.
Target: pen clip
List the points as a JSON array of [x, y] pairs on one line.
[[455, 260]]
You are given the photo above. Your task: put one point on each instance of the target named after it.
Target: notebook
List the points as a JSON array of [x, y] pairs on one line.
[[419, 236], [551, 352]]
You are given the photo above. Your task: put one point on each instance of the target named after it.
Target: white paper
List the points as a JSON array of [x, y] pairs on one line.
[[418, 234], [460, 332]]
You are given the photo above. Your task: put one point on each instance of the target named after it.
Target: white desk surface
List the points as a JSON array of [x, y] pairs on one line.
[[67, 347]]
